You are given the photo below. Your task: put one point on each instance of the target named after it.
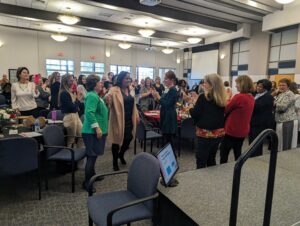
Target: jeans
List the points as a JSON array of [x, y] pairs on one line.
[[206, 151]]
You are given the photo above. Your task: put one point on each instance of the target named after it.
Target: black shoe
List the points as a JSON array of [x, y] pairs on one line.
[[116, 168], [121, 157], [85, 187]]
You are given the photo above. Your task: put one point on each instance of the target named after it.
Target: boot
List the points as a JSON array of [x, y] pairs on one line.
[[115, 153], [121, 157]]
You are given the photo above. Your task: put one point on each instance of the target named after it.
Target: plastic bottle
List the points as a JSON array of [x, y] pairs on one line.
[[53, 115], [37, 125]]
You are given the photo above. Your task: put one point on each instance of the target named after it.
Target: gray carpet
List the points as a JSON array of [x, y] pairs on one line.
[[19, 204]]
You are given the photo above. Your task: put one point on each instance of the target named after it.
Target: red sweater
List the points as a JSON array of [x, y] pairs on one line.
[[238, 114]]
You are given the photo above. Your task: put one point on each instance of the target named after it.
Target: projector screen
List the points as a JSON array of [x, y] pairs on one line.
[[204, 63]]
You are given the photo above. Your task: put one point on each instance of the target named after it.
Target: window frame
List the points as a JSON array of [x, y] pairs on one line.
[[138, 74], [117, 68], [93, 67], [67, 65]]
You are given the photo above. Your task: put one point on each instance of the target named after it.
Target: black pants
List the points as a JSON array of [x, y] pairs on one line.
[[254, 132], [168, 138], [229, 142], [89, 169], [206, 151], [34, 112]]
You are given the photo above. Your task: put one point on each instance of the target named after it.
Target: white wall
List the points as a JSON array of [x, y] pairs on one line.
[[32, 48]]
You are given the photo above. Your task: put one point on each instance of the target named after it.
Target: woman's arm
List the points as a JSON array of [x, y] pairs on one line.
[[91, 104], [284, 102], [169, 100], [66, 101], [43, 94], [35, 91], [197, 110]]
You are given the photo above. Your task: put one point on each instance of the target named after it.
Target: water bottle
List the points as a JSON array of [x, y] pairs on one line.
[[53, 115], [37, 125]]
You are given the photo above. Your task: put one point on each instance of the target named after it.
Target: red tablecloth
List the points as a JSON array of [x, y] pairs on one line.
[[155, 115]]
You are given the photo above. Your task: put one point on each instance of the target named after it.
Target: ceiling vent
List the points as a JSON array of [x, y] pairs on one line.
[[150, 2]]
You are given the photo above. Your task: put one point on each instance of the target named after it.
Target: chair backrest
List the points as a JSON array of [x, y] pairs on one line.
[[143, 176], [140, 131], [59, 115], [188, 129], [18, 155], [53, 135], [2, 99]]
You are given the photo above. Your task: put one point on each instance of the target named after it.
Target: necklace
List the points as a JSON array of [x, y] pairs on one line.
[[24, 88]]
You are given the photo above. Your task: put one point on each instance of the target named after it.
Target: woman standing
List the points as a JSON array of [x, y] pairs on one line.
[[94, 130], [43, 100], [208, 115], [158, 86], [54, 89], [285, 116], [146, 98], [69, 106], [23, 94], [262, 116], [237, 118], [168, 115], [123, 117]]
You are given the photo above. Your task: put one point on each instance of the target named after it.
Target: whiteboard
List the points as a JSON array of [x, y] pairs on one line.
[[204, 63]]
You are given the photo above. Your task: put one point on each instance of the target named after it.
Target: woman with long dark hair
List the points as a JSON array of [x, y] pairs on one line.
[[123, 117], [54, 82]]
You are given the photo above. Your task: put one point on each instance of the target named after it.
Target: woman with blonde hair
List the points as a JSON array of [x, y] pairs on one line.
[[208, 114], [238, 114], [69, 106]]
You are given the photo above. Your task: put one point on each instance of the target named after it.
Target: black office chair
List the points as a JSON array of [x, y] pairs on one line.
[[143, 134], [56, 150], [59, 115], [19, 155], [187, 131], [133, 204]]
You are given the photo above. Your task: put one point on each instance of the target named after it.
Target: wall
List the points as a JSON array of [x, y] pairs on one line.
[[224, 64], [32, 48]]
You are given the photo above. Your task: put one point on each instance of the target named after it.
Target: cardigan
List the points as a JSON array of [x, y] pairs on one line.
[[168, 115], [207, 114], [54, 90], [238, 114], [66, 103], [285, 107], [96, 114]]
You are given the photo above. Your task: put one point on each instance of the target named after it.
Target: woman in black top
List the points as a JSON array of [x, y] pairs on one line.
[[262, 116], [54, 90], [158, 86], [208, 114], [69, 106]]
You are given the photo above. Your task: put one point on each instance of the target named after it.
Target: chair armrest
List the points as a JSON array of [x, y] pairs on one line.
[[94, 178], [133, 203]]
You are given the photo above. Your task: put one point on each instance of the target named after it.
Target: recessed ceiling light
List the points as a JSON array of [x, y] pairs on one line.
[[146, 21], [59, 37], [284, 1], [58, 27], [194, 40], [124, 45], [146, 32], [109, 7], [194, 31], [252, 3], [1, 44], [68, 19]]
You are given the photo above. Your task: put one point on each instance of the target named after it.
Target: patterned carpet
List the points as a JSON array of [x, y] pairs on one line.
[[19, 203]]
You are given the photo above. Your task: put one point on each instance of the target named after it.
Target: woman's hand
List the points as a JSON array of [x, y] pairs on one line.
[[98, 133], [108, 99]]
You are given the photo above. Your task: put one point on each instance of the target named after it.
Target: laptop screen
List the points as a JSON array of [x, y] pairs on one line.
[[168, 163]]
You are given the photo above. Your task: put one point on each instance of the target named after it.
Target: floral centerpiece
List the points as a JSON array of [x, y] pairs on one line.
[[7, 117]]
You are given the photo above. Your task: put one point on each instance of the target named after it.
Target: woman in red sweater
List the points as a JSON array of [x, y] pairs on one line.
[[237, 118]]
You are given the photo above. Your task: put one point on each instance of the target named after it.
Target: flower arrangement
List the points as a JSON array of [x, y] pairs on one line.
[[7, 114]]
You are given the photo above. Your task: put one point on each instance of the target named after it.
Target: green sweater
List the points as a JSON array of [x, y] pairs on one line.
[[95, 114]]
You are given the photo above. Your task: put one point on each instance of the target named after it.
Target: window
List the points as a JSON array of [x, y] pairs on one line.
[[283, 51], [162, 71], [87, 68], [144, 72], [116, 69], [240, 54], [62, 66]]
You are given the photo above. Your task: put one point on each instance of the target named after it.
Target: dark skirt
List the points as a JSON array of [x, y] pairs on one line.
[[94, 146]]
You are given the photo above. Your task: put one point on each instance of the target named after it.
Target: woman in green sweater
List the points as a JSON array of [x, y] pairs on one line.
[[94, 129]]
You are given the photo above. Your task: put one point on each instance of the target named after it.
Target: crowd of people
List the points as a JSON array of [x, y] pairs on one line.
[[106, 109]]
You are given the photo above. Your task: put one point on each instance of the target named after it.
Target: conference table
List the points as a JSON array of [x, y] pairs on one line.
[[203, 196]]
